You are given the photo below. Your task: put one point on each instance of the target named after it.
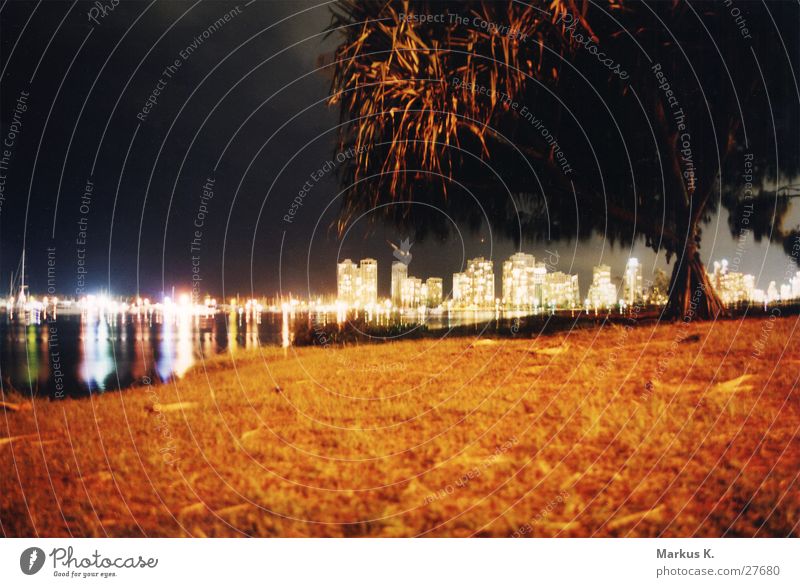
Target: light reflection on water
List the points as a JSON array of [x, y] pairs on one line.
[[76, 355], [88, 354]]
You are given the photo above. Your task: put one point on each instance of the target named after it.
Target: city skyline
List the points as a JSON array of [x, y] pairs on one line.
[[522, 283], [527, 284]]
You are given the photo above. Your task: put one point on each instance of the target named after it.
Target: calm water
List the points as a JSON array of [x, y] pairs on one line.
[[77, 355], [74, 355]]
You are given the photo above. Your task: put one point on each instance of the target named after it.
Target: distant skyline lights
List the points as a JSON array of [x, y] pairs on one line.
[[735, 288], [357, 285], [528, 285], [474, 287], [633, 288]]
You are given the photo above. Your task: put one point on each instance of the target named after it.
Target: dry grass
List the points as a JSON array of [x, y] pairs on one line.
[[644, 432]]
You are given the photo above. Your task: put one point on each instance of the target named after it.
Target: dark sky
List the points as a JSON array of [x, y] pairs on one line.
[[247, 109]]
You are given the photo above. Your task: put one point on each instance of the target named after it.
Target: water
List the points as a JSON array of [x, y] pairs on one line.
[[77, 355]]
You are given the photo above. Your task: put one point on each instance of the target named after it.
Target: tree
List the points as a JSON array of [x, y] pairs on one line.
[[568, 118]]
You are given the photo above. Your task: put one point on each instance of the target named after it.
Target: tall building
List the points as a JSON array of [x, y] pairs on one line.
[[399, 274], [369, 282], [528, 285], [357, 285], [519, 281], [633, 291], [560, 291], [602, 292], [462, 291], [434, 291], [731, 286], [411, 290], [474, 288], [481, 272], [346, 277]]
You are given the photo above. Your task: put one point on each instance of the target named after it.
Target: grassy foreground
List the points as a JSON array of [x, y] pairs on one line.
[[671, 430]]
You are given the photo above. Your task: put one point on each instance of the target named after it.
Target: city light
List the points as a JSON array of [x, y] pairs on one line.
[[602, 293], [527, 286]]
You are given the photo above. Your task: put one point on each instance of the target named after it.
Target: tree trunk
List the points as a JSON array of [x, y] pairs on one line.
[[691, 295]]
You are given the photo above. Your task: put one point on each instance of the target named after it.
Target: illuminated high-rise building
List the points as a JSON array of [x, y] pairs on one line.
[[560, 291], [346, 277], [410, 294], [602, 292], [633, 290], [518, 281], [399, 274], [357, 285], [433, 293], [474, 288], [462, 291], [481, 272], [732, 287], [368, 294]]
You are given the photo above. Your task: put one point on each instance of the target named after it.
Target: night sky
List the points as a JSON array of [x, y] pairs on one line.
[[239, 126]]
